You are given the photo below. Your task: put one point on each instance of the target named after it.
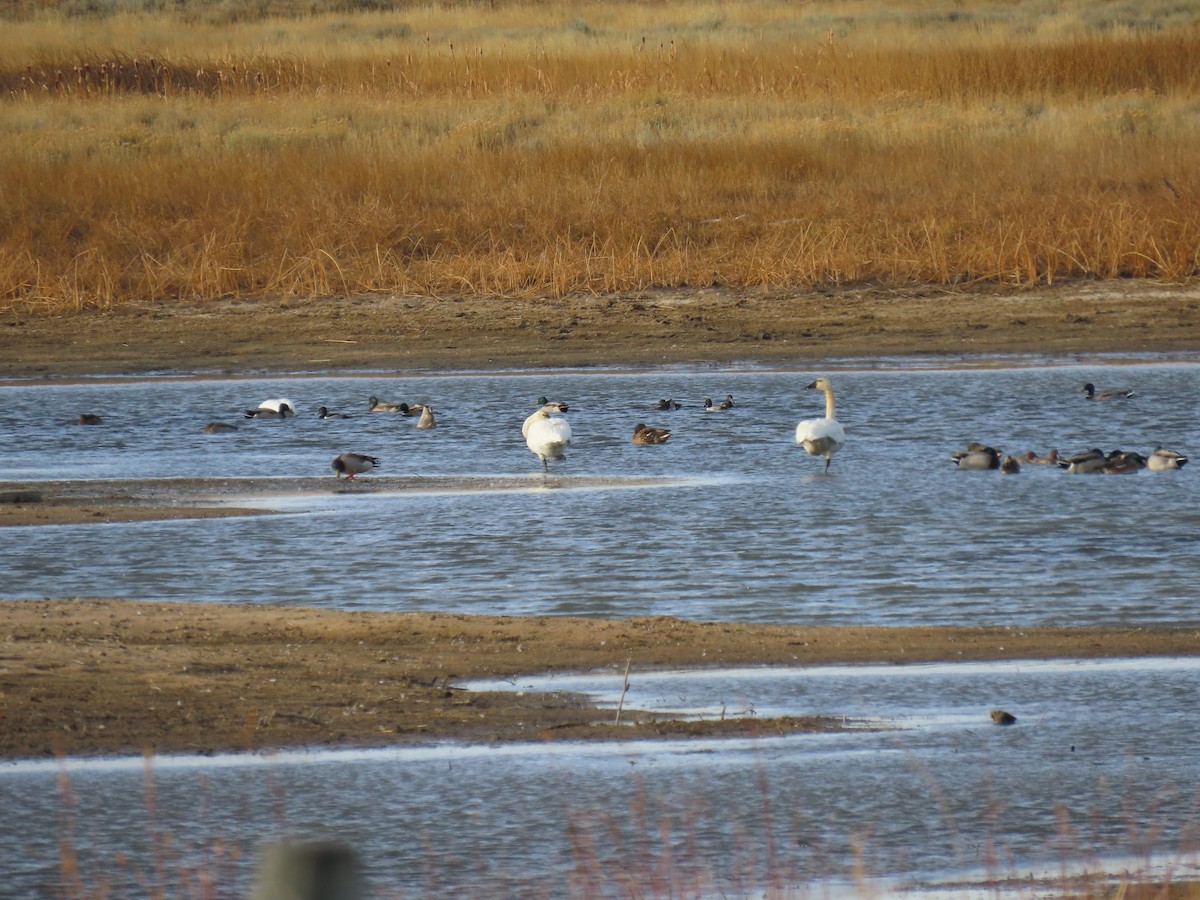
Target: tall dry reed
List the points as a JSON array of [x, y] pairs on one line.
[[578, 157]]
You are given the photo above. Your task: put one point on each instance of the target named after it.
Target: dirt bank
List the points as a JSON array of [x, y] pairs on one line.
[[112, 676], [105, 676], [412, 333]]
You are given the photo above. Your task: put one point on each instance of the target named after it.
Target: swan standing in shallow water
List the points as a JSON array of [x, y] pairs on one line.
[[545, 436], [822, 437]]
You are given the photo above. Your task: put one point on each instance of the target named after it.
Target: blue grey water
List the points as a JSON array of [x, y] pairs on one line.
[[748, 529], [742, 526]]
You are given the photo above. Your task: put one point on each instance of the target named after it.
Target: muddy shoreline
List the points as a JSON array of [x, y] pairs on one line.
[[110, 676], [83, 677], [653, 328]]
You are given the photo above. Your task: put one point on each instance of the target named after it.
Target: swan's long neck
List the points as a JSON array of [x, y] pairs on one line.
[[830, 408]]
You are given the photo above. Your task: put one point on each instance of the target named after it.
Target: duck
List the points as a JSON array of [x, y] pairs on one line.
[[1162, 460], [1033, 459], [542, 401], [644, 434], [668, 404], [265, 412], [278, 404], [1123, 463], [219, 428], [546, 437], [351, 464], [324, 413], [822, 437], [90, 419], [1082, 463], [1090, 390], [1010, 465], [374, 404], [427, 420], [727, 403], [977, 456]]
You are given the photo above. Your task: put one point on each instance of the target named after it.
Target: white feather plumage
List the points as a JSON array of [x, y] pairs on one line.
[[546, 437], [822, 437]]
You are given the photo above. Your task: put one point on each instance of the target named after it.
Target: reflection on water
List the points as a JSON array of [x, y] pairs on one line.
[[895, 535], [1100, 762]]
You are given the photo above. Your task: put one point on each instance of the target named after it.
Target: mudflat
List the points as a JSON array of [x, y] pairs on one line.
[[388, 333], [111, 676]]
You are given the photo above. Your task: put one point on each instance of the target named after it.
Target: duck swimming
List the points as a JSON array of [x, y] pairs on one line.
[[265, 412], [374, 404], [644, 434], [1162, 460], [1090, 390], [977, 456]]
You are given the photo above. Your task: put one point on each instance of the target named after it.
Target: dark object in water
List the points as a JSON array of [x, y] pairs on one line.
[[1002, 717]]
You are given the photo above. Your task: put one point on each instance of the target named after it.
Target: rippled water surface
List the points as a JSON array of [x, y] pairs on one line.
[[741, 525], [1100, 763], [746, 529]]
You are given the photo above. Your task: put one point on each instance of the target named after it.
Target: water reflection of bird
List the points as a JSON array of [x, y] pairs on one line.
[[644, 434], [825, 436], [1090, 390], [545, 436], [1163, 459], [351, 464]]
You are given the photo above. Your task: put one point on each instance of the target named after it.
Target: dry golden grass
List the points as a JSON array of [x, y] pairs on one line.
[[525, 148]]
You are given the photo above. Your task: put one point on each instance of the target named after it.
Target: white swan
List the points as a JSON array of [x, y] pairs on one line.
[[546, 437], [822, 437]]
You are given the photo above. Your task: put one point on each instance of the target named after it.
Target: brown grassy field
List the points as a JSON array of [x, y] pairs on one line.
[[535, 150]]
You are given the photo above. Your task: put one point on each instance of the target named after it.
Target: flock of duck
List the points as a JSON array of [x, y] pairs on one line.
[[1095, 460], [547, 435]]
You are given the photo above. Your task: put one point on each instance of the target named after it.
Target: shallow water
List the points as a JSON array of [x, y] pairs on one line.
[[894, 535], [1101, 762], [746, 528]]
